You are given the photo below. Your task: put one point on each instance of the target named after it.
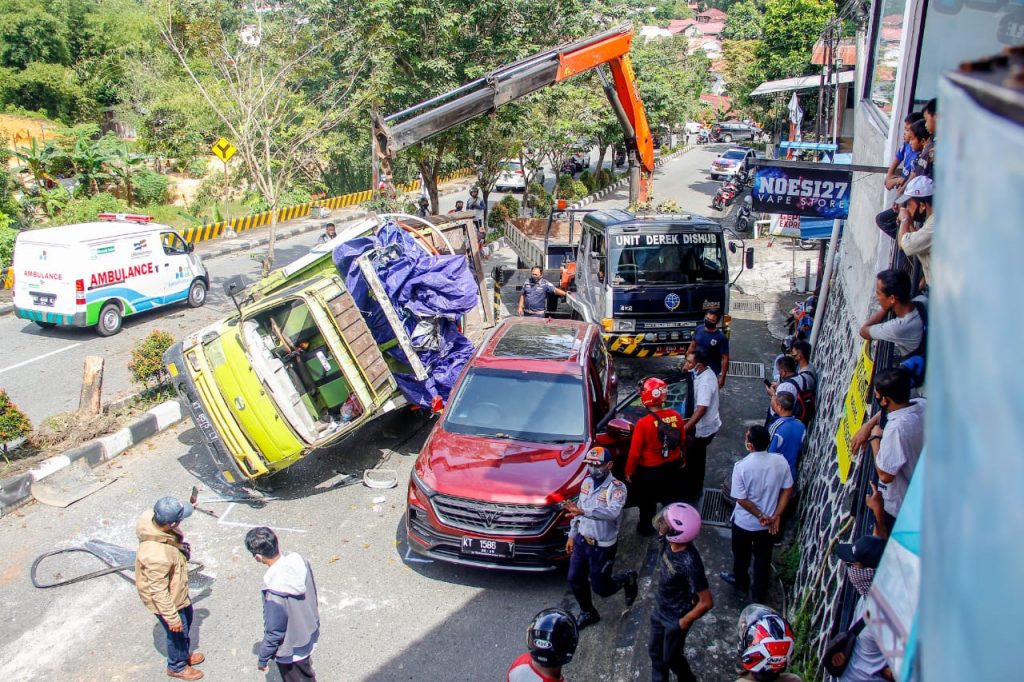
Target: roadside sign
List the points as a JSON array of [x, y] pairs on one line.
[[223, 149], [814, 193]]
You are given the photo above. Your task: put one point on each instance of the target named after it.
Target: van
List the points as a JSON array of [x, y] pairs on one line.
[[96, 274]]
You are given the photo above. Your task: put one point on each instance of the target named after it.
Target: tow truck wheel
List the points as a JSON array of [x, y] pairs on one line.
[[196, 294], [110, 320]]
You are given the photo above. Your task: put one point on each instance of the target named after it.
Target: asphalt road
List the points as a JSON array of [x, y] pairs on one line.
[[385, 615]]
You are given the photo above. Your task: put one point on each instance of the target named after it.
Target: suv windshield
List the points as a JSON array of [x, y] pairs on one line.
[[511, 166], [734, 154], [681, 258], [529, 406]]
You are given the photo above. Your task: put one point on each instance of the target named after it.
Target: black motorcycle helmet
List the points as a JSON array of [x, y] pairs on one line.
[[424, 201], [552, 637]]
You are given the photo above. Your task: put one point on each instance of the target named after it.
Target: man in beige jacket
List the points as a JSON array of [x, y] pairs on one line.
[[161, 577]]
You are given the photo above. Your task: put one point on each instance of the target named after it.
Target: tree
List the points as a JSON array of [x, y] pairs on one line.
[[35, 160], [742, 72], [276, 81], [29, 33], [744, 22], [670, 82], [493, 140], [52, 89], [790, 29], [125, 166]]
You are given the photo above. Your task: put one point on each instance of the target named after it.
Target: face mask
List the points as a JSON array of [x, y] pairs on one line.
[[597, 473], [861, 578], [710, 324], [534, 278]]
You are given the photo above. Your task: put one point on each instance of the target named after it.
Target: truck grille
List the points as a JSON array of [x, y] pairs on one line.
[[492, 518]]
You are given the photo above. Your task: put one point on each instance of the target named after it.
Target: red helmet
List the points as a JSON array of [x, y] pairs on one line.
[[653, 392], [766, 640]]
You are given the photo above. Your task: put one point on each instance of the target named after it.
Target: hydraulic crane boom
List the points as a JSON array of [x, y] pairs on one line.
[[509, 83]]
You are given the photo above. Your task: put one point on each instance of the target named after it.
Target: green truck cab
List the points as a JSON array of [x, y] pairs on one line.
[[294, 370]]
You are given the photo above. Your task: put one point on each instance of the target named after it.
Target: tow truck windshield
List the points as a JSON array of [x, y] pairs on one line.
[[531, 406], [684, 258]]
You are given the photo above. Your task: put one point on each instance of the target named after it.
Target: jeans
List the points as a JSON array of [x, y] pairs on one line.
[[757, 544], [591, 566], [696, 464], [178, 643], [299, 671], [667, 648]]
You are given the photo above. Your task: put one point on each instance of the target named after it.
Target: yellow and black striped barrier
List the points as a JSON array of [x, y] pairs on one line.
[[632, 346], [208, 231]]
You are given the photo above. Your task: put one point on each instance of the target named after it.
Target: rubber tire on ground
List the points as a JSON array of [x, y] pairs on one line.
[[196, 294], [727, 138], [113, 311], [45, 325]]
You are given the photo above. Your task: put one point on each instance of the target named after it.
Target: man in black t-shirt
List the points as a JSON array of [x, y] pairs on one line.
[[683, 594], [715, 344]]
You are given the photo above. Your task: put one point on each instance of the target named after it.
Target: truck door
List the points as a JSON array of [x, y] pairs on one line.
[[176, 270]]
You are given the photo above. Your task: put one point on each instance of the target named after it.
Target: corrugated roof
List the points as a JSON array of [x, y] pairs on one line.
[[799, 83], [847, 52]]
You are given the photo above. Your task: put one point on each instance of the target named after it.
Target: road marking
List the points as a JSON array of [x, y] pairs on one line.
[[234, 524], [41, 357]]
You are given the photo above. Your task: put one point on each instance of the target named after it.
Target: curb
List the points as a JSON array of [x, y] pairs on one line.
[[17, 490], [625, 180]]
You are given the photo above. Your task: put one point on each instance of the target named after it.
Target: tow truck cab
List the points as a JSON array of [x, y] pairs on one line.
[[648, 279]]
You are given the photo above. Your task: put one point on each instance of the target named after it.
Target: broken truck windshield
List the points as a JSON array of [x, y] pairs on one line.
[[666, 258]]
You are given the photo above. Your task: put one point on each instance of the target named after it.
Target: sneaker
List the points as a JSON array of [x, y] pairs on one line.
[[630, 587], [187, 673], [587, 618]]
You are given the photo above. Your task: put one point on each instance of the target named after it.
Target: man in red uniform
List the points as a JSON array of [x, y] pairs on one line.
[[551, 639], [654, 466]]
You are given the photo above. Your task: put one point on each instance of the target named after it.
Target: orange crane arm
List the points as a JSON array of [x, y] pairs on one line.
[[504, 85]]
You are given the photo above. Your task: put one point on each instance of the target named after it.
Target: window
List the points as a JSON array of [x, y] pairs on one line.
[[954, 32], [173, 244], [886, 49]]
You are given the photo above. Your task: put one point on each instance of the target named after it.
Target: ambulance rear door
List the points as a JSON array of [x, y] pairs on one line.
[[44, 281]]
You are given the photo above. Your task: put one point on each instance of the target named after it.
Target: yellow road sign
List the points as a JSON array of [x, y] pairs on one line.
[[223, 149]]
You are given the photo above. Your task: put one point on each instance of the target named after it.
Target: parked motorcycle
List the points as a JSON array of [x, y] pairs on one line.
[[725, 194], [801, 318], [620, 158], [745, 218]]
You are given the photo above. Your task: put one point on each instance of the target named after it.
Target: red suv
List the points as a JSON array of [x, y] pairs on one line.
[[487, 486]]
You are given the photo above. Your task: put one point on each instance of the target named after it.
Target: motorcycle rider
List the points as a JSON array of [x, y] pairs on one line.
[[551, 640], [594, 535], [423, 210], [476, 204]]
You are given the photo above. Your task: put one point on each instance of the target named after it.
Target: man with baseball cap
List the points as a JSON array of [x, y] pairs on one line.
[[161, 577], [863, 557], [916, 208], [594, 537]]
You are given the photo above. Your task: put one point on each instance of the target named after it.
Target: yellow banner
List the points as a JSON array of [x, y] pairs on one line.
[[854, 407]]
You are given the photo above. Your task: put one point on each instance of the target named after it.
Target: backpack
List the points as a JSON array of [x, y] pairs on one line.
[[843, 644], [804, 408], [669, 436], [916, 361]]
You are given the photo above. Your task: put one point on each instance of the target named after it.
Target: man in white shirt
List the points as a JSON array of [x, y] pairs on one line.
[[704, 423], [762, 485]]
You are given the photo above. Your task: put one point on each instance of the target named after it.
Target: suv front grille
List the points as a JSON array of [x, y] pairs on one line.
[[492, 518]]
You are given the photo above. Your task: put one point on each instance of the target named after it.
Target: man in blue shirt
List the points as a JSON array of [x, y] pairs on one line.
[[533, 300], [787, 432], [714, 344]]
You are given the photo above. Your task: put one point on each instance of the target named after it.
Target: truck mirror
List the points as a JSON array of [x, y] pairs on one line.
[[750, 258], [732, 247], [234, 285], [190, 247]]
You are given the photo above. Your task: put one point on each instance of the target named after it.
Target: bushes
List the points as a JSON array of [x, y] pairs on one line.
[[197, 168], [149, 187], [572, 190], [13, 422], [539, 199], [147, 363], [498, 215], [7, 236], [512, 204], [86, 209]]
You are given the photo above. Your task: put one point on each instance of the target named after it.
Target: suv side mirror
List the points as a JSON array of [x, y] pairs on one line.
[[620, 427]]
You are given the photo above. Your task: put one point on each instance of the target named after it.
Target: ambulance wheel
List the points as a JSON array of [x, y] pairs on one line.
[[110, 320], [196, 294], [46, 325]]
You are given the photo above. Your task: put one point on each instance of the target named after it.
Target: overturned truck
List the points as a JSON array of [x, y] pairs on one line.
[[378, 318]]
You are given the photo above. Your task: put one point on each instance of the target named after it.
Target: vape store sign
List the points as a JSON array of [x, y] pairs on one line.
[[814, 193]]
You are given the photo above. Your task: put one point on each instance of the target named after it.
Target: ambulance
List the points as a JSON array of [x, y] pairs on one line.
[[96, 274]]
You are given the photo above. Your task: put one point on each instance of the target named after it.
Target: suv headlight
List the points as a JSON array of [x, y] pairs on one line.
[[421, 486]]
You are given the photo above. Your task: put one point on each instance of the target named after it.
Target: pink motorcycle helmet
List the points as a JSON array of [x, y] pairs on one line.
[[679, 522]]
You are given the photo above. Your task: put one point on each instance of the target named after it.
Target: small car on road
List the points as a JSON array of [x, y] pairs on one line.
[[487, 487], [731, 163], [512, 177]]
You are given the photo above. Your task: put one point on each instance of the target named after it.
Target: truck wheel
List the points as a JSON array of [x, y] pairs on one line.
[[46, 325], [196, 294], [110, 320]]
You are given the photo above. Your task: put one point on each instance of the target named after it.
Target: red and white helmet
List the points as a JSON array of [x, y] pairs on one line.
[[766, 640], [679, 522], [653, 392]]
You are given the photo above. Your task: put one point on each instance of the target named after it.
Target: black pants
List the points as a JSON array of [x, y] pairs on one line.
[[696, 465], [667, 648], [591, 566], [652, 485], [300, 671], [757, 545]]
